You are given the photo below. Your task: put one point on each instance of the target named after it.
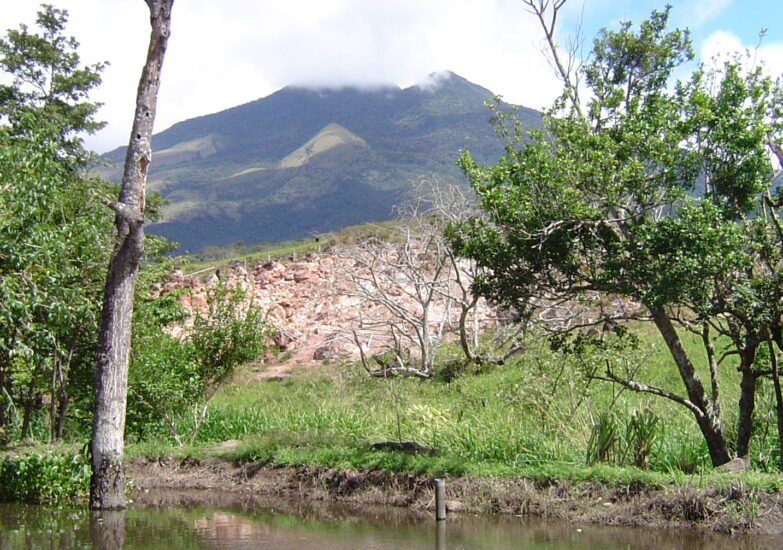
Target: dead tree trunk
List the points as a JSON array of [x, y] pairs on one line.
[[111, 382]]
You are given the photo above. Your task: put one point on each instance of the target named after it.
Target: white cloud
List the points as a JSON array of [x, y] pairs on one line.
[[722, 45], [225, 53], [698, 12]]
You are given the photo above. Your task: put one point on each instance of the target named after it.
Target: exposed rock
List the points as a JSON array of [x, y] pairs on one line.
[[282, 340], [198, 300], [739, 464], [313, 301], [323, 353]]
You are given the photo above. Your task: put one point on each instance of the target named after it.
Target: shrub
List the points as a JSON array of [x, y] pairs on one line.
[[172, 379], [45, 478]]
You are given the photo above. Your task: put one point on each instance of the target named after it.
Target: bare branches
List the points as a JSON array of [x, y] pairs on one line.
[[423, 288], [547, 12]]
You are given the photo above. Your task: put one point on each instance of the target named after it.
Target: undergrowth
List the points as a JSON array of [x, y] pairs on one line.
[[534, 416], [50, 478]]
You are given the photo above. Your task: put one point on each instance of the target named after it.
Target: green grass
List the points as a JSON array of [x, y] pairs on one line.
[[531, 417], [212, 257]]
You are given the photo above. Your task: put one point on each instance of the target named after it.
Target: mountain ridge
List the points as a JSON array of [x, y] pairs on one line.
[[302, 160]]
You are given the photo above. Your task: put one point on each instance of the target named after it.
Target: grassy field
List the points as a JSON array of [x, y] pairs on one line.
[[211, 257], [534, 416]]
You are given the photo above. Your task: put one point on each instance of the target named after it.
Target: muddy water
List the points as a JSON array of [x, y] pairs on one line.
[[212, 523]]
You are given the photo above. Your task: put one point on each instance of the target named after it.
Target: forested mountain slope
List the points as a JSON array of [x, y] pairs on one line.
[[302, 160]]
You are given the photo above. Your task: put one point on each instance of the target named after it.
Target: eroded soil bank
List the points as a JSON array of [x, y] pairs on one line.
[[731, 510]]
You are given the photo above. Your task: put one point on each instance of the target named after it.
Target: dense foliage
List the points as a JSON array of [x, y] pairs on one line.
[[53, 230], [651, 192], [44, 478], [172, 380], [55, 238]]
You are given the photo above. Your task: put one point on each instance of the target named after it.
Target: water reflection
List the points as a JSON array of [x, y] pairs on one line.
[[189, 520], [107, 529]]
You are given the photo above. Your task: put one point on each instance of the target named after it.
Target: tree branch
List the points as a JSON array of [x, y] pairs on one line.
[[644, 388], [124, 211]]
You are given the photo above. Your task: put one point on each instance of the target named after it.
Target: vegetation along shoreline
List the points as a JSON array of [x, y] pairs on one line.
[[590, 330]]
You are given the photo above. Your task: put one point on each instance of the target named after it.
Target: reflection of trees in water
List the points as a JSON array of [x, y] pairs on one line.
[[327, 527], [248, 529], [107, 529]]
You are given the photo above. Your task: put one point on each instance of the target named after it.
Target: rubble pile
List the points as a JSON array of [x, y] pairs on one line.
[[313, 304], [319, 312]]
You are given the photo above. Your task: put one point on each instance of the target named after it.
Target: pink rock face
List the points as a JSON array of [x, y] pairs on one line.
[[302, 275], [169, 287], [199, 301], [313, 304], [176, 275]]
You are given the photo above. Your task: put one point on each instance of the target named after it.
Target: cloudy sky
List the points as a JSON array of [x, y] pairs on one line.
[[228, 52]]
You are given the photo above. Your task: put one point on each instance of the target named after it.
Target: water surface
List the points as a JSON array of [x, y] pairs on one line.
[[168, 521]]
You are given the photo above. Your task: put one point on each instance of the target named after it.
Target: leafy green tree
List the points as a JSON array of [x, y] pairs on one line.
[[645, 191], [53, 247], [172, 381], [47, 78], [53, 232]]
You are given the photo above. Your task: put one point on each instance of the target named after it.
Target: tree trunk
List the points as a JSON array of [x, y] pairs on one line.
[[773, 358], [3, 404], [62, 401], [107, 530], [107, 483], [29, 403], [708, 420], [747, 404]]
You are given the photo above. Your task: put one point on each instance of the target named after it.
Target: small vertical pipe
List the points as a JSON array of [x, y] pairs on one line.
[[440, 499]]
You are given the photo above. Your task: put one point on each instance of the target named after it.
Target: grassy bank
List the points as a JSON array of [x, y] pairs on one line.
[[211, 257], [536, 416]]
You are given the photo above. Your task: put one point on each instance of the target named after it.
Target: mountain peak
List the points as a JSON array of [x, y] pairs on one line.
[[435, 80], [305, 160], [332, 135]]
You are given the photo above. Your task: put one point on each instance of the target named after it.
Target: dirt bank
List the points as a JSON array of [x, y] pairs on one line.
[[731, 510]]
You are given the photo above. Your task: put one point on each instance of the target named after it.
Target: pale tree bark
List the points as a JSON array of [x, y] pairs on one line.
[[111, 382], [547, 11]]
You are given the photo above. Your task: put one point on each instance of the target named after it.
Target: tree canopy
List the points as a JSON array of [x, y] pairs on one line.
[[649, 190], [53, 230]]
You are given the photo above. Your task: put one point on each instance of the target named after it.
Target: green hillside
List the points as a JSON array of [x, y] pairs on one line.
[[303, 160]]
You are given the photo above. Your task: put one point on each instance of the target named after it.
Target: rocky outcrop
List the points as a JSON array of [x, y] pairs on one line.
[[315, 309], [311, 303]]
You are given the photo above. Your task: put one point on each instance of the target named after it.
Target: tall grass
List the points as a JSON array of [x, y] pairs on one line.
[[536, 412], [534, 416]]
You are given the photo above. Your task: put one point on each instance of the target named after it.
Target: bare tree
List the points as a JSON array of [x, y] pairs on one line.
[[406, 278], [107, 484], [423, 287], [446, 205]]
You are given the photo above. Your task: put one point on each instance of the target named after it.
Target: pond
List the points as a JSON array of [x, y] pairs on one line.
[[191, 520]]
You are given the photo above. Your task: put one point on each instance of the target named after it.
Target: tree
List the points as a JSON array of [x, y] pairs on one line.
[[48, 80], [642, 192], [423, 287], [170, 377], [107, 484], [52, 229]]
